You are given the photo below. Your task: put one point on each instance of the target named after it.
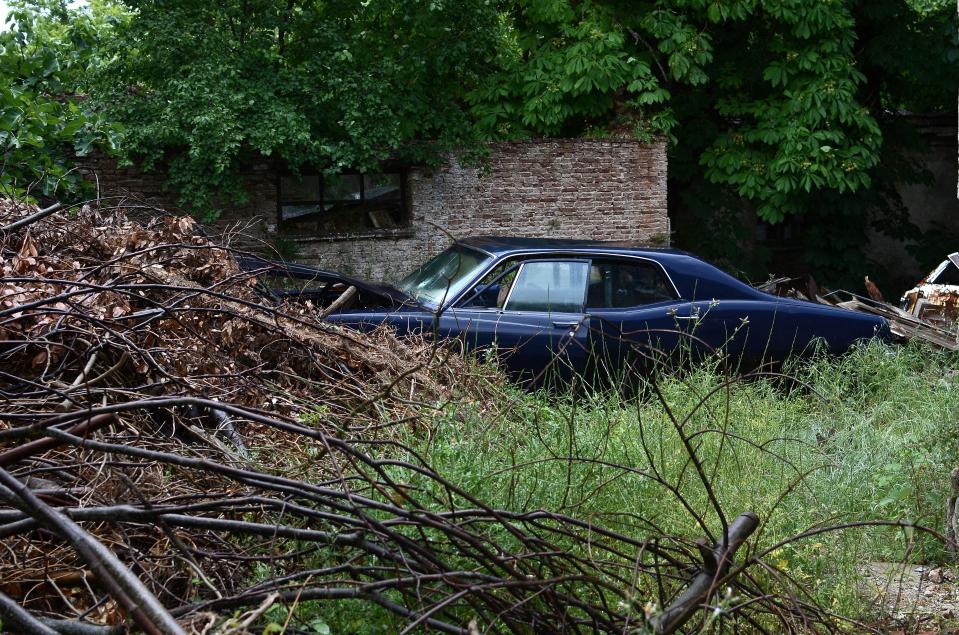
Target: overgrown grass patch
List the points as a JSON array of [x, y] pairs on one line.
[[869, 436]]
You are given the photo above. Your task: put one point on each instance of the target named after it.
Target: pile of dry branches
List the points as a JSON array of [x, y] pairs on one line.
[[174, 449]]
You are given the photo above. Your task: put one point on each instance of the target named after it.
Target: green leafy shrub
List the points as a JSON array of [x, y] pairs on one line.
[[43, 121]]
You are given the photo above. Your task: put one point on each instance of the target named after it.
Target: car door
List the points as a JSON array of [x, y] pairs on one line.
[[531, 313], [637, 319], [742, 332]]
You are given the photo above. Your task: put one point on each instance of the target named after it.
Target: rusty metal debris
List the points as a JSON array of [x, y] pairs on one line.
[[929, 312], [799, 288], [936, 298], [903, 325]]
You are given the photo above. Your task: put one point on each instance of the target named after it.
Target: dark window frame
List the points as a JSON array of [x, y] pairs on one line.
[[405, 211], [511, 265], [514, 264]]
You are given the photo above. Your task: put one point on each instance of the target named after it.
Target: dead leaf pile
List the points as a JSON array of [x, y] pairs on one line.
[[97, 310]]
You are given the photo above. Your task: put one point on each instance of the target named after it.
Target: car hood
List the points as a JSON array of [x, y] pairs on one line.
[[383, 291]]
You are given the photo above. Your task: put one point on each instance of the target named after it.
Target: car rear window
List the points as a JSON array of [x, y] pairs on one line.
[[617, 284]]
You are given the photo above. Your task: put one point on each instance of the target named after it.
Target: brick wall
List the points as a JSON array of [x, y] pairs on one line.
[[558, 188]]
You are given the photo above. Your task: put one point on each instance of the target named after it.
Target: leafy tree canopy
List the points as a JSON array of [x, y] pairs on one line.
[[781, 107], [42, 120], [783, 80], [207, 86]]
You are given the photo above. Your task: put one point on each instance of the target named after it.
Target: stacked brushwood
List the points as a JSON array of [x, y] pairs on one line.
[[180, 454], [162, 308], [143, 331]]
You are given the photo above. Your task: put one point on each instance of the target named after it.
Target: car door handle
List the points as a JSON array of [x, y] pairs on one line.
[[686, 317], [566, 324]]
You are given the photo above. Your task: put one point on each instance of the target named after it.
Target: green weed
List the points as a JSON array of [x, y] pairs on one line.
[[869, 436]]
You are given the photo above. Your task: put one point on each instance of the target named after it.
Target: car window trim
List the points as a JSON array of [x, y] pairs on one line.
[[582, 309], [448, 302]]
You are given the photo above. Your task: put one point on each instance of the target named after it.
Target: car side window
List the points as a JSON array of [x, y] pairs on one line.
[[549, 286], [618, 284], [491, 291]]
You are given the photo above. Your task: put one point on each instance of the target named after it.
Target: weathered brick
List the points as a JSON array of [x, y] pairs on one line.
[[559, 188]]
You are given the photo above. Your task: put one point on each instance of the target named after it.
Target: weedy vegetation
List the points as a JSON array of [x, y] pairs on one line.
[[178, 451], [858, 448]]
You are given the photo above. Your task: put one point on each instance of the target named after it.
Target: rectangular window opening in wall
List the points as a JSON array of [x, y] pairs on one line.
[[346, 203]]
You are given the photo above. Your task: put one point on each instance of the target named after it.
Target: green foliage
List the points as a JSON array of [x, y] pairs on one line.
[[815, 132], [871, 436], [799, 125], [355, 617], [776, 109], [565, 69], [787, 86], [203, 88], [42, 119]]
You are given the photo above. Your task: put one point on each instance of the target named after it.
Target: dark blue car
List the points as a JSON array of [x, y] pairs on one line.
[[556, 306]]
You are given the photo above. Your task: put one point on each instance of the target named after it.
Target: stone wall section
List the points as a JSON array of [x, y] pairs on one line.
[[613, 190]]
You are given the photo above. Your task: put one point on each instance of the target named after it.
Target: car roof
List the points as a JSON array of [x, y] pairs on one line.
[[690, 275], [506, 245]]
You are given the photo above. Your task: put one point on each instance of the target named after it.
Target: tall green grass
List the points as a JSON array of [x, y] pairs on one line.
[[869, 436]]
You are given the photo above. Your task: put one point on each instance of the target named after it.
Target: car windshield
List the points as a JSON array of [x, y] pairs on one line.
[[444, 276]]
